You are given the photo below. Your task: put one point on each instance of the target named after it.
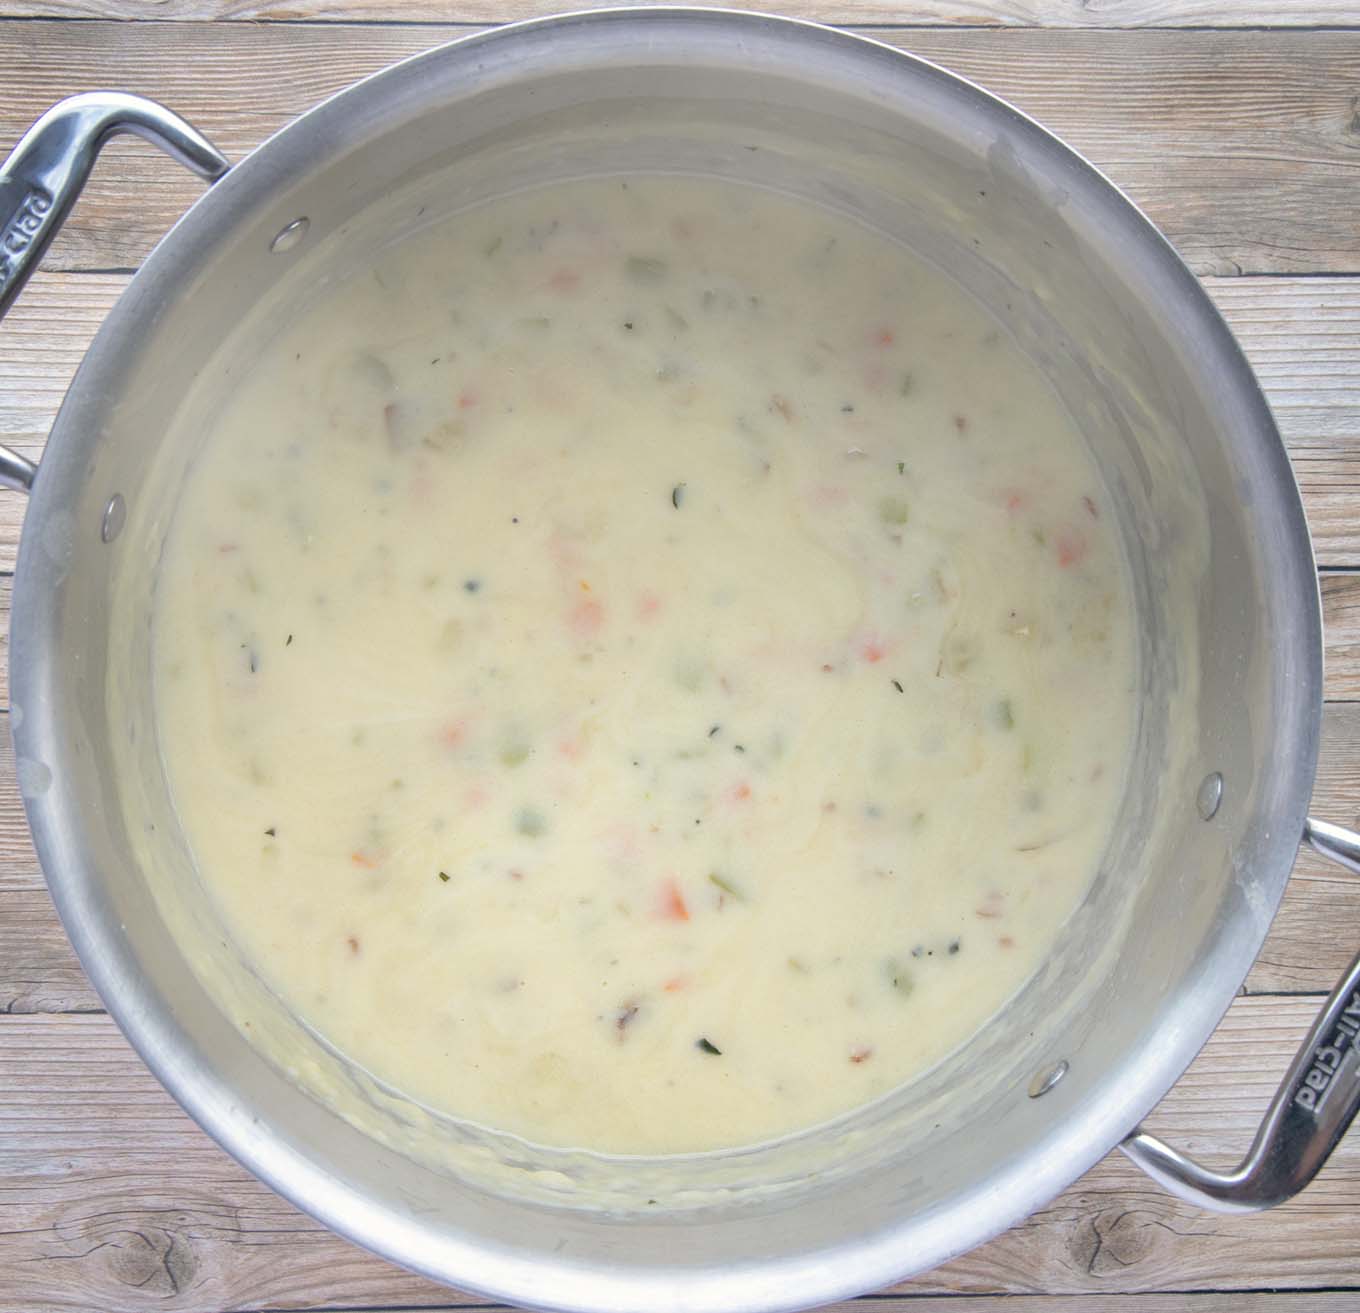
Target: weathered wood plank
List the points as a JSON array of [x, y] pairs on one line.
[[1240, 144], [1302, 335], [114, 1200], [965, 13], [1313, 938]]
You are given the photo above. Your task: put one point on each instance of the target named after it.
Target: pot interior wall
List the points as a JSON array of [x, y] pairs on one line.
[[1179, 904]]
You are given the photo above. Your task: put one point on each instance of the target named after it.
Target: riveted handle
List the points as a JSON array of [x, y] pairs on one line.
[[1311, 1111], [42, 177]]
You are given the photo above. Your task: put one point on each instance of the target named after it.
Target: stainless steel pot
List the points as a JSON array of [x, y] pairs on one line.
[[1230, 663]]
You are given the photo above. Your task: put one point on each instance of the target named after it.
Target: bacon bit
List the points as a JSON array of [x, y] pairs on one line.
[[623, 1018], [565, 280], [672, 906], [873, 651], [227, 548], [1090, 508], [648, 604], [1072, 547], [675, 984], [781, 406], [587, 616], [573, 749], [1015, 500], [353, 945], [862, 1054], [827, 669], [961, 423], [467, 399], [453, 734], [884, 337], [741, 792], [516, 875], [361, 858], [828, 806], [1006, 941]]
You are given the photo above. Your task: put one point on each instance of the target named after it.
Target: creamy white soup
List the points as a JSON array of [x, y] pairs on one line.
[[646, 666]]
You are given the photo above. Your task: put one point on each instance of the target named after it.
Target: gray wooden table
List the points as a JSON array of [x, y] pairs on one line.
[[1236, 127]]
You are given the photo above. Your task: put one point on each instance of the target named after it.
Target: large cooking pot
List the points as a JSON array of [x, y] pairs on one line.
[[1230, 663]]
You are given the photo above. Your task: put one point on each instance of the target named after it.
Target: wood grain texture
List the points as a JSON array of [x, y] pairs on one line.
[[112, 1199], [1243, 146], [948, 13], [1302, 335], [1314, 935]]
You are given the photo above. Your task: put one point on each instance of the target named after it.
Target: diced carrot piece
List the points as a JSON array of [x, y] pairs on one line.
[[587, 616], [672, 905], [1072, 548]]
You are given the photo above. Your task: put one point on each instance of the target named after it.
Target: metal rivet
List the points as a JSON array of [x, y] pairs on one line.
[[1210, 795], [1046, 1078], [289, 236], [115, 516]]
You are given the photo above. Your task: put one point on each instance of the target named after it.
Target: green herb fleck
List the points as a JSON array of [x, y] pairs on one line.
[[897, 684], [797, 964], [1003, 715], [472, 585], [690, 674], [645, 268], [714, 730], [708, 1046], [953, 947], [906, 385], [288, 642], [530, 822], [893, 510], [271, 832], [444, 876], [492, 246], [901, 467], [515, 754], [678, 495], [726, 886], [900, 978]]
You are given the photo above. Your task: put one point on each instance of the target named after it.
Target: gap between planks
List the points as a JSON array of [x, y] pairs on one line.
[[1107, 14], [1302, 336], [1241, 145], [113, 1198], [1310, 943]]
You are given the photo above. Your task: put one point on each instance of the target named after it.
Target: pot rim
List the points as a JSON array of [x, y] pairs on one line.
[[558, 1281]]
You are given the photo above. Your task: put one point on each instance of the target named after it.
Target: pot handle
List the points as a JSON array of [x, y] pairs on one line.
[[1311, 1110], [43, 175]]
